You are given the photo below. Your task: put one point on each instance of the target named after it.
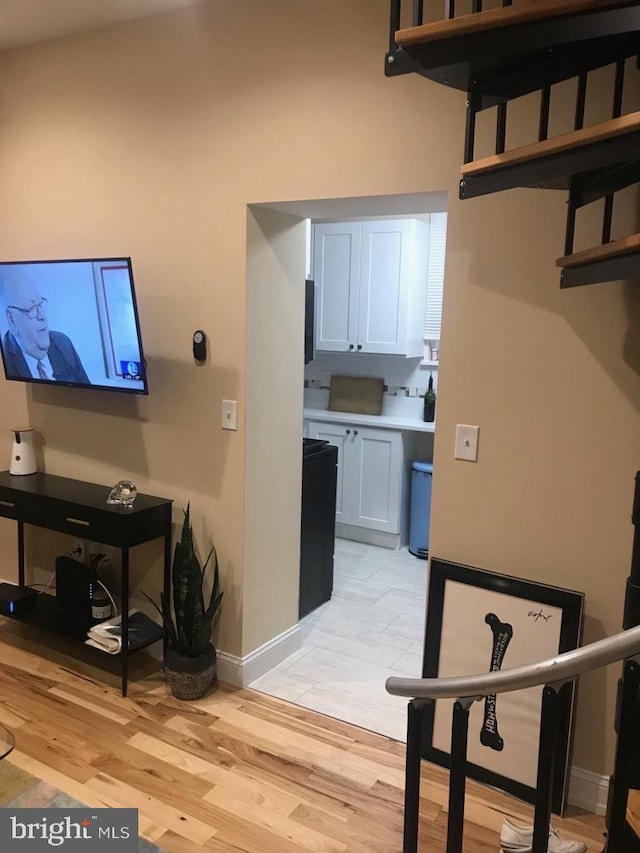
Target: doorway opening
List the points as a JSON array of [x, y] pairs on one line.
[[336, 659]]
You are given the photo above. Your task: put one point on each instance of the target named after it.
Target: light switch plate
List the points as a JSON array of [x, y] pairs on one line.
[[467, 442], [229, 414]]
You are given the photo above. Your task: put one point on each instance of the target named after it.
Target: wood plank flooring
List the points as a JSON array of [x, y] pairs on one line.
[[235, 771]]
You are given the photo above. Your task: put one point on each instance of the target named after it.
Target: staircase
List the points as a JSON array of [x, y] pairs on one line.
[[557, 676], [494, 56], [503, 53]]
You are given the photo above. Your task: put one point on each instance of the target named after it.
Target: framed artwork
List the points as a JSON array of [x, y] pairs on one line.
[[480, 621]]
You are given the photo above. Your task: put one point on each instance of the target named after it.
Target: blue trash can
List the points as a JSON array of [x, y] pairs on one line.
[[421, 476]]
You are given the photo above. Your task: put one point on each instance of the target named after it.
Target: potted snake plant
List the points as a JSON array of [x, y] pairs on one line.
[[190, 663]]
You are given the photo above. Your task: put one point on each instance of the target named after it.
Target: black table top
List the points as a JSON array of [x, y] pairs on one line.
[[76, 491]]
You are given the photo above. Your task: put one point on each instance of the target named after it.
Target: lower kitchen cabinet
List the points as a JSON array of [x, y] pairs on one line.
[[370, 474], [338, 435]]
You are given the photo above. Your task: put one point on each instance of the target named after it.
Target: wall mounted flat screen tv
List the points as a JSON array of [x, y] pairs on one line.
[[73, 323]]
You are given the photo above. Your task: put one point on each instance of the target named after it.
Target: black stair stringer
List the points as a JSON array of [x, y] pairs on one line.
[[497, 79], [595, 185]]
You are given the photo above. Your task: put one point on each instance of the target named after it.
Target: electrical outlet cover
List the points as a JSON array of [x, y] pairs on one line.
[[467, 442]]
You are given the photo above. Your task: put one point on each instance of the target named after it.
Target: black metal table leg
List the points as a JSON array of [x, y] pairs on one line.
[[20, 553], [124, 651]]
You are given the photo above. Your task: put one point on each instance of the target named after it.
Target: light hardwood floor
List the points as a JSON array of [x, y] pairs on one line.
[[235, 771]]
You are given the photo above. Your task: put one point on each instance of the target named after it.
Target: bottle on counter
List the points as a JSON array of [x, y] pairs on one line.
[[429, 402]]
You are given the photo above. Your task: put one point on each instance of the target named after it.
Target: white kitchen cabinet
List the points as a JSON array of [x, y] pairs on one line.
[[336, 272], [370, 464], [375, 477], [338, 435], [370, 286]]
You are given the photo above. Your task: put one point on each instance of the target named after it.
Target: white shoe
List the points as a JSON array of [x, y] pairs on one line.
[[519, 839]]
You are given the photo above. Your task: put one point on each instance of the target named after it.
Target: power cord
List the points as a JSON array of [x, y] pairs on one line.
[[113, 604], [45, 586]]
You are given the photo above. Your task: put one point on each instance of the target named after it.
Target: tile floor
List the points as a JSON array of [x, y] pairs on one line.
[[371, 629]]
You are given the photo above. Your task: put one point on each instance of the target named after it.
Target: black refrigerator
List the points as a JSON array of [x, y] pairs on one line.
[[318, 524]]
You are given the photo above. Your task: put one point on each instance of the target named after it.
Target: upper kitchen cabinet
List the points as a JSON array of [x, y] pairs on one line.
[[371, 280]]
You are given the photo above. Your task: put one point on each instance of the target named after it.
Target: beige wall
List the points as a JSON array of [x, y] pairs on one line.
[[274, 389], [13, 412], [152, 139]]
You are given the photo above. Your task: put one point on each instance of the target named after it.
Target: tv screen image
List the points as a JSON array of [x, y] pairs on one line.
[[73, 323]]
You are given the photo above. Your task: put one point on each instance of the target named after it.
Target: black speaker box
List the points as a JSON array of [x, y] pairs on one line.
[[14, 600], [75, 582]]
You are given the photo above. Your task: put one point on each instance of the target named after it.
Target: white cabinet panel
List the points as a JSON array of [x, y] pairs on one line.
[[336, 271], [371, 286], [369, 474], [337, 435], [378, 469], [383, 306]]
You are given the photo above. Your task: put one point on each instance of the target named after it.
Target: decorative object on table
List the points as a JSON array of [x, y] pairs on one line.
[[429, 413], [361, 395], [190, 656], [107, 635], [102, 604], [124, 492], [479, 621], [101, 608], [23, 457]]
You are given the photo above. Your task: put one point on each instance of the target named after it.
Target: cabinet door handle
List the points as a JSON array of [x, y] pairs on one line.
[[80, 521], [359, 346], [350, 346], [355, 432], [348, 432], [7, 504]]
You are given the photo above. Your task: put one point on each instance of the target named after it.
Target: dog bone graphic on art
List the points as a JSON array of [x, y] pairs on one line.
[[502, 633]]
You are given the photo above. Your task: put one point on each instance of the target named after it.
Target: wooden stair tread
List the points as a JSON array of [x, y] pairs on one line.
[[586, 136], [633, 811], [511, 51], [520, 13], [625, 246]]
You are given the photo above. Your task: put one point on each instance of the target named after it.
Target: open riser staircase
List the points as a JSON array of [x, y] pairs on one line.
[[558, 676], [502, 53], [494, 55]]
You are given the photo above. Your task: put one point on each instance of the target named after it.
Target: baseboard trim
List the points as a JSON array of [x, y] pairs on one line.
[[242, 671], [588, 791], [368, 536]]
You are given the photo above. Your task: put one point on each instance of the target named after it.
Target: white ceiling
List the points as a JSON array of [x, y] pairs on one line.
[[27, 21]]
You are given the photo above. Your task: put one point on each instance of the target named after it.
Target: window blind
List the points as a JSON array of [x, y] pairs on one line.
[[435, 276]]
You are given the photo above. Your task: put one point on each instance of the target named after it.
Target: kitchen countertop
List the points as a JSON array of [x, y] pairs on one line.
[[384, 421]]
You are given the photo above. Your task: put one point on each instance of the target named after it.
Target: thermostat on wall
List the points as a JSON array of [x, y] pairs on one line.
[[199, 345]]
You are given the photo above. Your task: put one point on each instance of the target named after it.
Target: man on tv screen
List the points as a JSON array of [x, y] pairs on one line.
[[31, 350]]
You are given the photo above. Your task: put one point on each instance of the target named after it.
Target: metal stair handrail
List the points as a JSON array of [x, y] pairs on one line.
[[561, 668]]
